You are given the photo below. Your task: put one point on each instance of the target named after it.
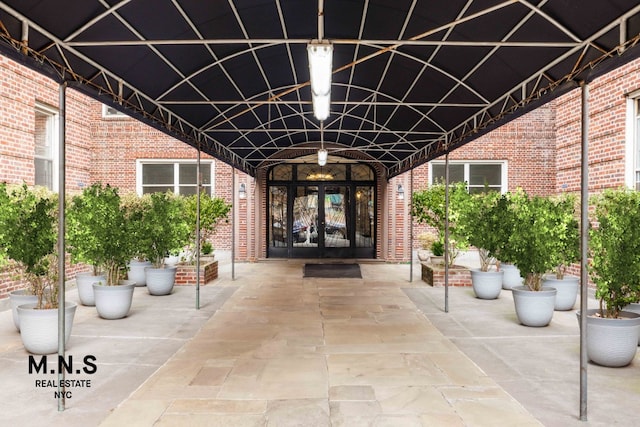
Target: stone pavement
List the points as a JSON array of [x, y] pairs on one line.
[[274, 349]]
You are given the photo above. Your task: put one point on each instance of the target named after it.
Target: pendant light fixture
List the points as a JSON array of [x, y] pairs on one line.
[[323, 154], [320, 55]]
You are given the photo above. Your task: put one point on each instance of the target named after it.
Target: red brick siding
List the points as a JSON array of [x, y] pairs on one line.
[[542, 149]]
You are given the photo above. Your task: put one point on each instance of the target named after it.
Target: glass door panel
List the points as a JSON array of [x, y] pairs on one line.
[[364, 217], [278, 220], [304, 227], [335, 222]]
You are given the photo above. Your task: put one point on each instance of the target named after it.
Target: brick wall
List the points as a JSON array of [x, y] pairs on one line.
[[607, 125], [528, 144], [119, 142], [542, 149]]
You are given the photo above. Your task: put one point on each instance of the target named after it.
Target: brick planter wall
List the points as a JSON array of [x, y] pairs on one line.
[[434, 275], [186, 273]]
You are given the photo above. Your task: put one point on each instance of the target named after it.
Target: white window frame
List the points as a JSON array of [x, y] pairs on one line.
[[176, 171], [110, 113], [632, 141], [504, 184], [54, 136]]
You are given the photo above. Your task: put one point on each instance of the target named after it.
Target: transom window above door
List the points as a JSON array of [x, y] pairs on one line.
[[328, 172]]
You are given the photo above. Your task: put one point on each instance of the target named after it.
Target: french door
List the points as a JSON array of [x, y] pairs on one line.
[[322, 220]]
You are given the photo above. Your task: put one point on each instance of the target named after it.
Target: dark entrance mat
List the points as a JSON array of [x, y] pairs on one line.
[[332, 271]]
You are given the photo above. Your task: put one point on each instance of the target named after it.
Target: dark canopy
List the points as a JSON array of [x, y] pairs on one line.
[[412, 78]]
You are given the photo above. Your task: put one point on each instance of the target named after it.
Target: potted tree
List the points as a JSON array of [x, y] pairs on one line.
[[134, 208], [538, 229], [428, 207], [98, 233], [484, 222], [164, 230], [19, 296], [612, 333], [29, 237], [87, 218], [213, 210], [566, 252]]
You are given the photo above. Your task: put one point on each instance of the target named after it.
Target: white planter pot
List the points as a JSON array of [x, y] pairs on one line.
[[39, 328], [534, 308], [171, 260], [612, 342], [114, 302], [17, 298], [634, 307], [567, 290], [436, 260], [136, 272], [423, 255], [486, 284], [84, 282], [511, 276], [160, 281]]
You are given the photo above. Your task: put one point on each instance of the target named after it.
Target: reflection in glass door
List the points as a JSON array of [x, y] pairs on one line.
[[321, 212], [305, 217], [364, 217], [336, 228]]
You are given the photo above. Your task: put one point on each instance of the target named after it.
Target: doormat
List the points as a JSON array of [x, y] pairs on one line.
[[332, 271]]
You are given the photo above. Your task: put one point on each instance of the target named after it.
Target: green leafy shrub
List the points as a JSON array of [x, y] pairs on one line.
[[428, 207], [164, 227], [28, 221], [542, 229], [487, 224], [615, 250], [213, 210], [97, 232]]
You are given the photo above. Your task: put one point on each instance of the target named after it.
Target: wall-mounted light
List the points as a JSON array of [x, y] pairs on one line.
[[320, 55], [400, 192], [242, 192]]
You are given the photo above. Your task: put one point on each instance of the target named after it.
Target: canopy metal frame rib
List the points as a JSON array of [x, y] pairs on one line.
[[233, 79]]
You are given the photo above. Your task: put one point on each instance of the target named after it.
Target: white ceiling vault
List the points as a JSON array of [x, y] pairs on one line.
[[412, 78]]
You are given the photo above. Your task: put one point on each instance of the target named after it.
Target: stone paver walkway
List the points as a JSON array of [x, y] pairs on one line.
[[288, 351]]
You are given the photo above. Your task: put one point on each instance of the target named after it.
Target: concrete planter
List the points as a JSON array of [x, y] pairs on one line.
[[486, 284], [39, 328], [511, 276], [18, 298], [160, 281], [534, 308], [567, 290], [136, 272], [114, 302], [84, 282], [612, 342], [634, 307]]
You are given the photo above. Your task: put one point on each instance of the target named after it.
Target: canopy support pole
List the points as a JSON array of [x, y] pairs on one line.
[[446, 231], [233, 224], [410, 226], [61, 240], [198, 235], [584, 245]]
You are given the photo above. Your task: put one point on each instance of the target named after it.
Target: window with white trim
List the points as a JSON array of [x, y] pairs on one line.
[[479, 175], [46, 147], [112, 113], [178, 176], [633, 141]]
